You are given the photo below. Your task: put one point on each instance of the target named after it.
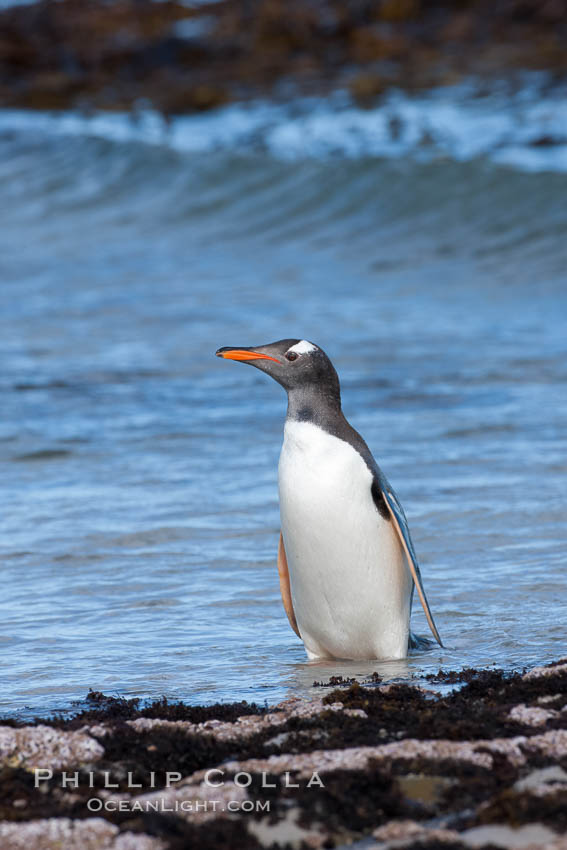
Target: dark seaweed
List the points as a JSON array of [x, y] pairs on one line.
[[352, 802]]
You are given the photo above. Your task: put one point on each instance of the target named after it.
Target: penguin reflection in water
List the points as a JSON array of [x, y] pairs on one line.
[[346, 561]]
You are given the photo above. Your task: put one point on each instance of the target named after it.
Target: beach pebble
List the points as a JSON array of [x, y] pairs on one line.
[[66, 834], [44, 747], [531, 715]]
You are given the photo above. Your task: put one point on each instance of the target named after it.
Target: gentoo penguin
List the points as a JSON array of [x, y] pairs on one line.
[[346, 561]]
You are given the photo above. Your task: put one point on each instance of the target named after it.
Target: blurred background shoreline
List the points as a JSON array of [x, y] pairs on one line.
[[177, 58]]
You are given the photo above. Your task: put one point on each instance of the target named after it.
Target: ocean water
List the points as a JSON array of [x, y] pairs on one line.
[[139, 515]]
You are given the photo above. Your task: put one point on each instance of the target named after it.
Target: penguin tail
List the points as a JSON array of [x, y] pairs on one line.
[[420, 642]]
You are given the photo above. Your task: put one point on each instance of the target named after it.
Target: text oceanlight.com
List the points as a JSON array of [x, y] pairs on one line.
[[162, 805]]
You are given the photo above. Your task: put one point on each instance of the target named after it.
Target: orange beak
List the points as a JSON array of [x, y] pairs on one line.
[[243, 354]]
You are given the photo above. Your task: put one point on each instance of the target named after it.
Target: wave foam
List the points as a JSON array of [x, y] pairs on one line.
[[524, 130]]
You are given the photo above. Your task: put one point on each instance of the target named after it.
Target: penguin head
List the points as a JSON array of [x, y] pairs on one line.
[[293, 363]]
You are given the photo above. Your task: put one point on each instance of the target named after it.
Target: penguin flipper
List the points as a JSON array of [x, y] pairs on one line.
[[401, 524], [285, 589]]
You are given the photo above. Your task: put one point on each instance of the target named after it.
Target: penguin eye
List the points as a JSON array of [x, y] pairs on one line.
[[291, 355]]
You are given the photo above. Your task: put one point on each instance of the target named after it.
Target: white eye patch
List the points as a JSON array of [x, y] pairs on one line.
[[303, 347]]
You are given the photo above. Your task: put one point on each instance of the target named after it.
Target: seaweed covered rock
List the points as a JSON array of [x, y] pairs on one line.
[[482, 764]]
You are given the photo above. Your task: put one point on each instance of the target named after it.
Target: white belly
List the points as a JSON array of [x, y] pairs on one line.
[[350, 583]]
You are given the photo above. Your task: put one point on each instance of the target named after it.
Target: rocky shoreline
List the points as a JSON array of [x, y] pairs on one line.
[[475, 759], [180, 58]]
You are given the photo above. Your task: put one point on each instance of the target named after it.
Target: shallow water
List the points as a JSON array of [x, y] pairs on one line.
[[139, 495]]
